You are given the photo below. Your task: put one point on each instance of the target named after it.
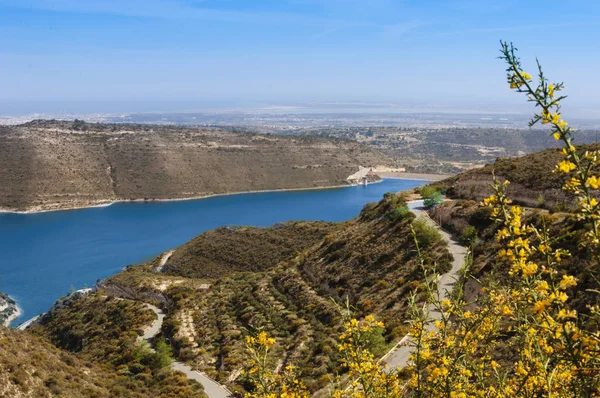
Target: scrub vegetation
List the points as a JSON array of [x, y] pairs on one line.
[[294, 295], [529, 329], [306, 307]]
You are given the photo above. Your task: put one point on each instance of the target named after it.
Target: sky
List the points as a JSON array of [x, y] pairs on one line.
[[167, 55]]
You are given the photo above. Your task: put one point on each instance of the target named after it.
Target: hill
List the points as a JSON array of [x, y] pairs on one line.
[[31, 366], [47, 165], [105, 331], [533, 183], [538, 189], [237, 249], [87, 346], [447, 149], [295, 295]]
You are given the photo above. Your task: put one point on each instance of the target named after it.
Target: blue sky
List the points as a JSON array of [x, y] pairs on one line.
[[158, 54]]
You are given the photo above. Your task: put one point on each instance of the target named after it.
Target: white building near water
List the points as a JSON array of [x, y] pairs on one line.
[[361, 176]]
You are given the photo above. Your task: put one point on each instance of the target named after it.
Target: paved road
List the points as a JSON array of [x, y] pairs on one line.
[[163, 260], [398, 356], [211, 387], [28, 323]]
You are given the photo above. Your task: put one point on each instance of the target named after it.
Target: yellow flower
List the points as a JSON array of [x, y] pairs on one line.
[[556, 136], [551, 90], [546, 117], [562, 124], [540, 306], [489, 201], [526, 75], [506, 310], [542, 286], [563, 297], [555, 118], [567, 281], [593, 182], [566, 166], [564, 314], [494, 365]]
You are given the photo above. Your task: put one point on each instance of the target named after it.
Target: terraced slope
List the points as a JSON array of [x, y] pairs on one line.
[[52, 165], [229, 249], [369, 261], [88, 347], [106, 332], [534, 185]]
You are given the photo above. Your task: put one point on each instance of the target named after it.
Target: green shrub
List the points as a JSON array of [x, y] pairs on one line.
[[468, 235], [431, 196], [426, 234], [434, 200]]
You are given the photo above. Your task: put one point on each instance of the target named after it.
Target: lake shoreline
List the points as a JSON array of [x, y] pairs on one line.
[[79, 248], [414, 176], [35, 209], [107, 204]]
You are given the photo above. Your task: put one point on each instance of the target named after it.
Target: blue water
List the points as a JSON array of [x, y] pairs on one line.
[[43, 255]]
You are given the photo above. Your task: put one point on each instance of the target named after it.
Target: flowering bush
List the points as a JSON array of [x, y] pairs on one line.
[[269, 384], [519, 338]]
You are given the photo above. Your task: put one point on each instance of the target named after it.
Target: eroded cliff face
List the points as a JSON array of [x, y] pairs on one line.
[[48, 165]]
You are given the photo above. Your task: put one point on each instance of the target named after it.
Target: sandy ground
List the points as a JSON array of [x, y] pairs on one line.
[[414, 176]]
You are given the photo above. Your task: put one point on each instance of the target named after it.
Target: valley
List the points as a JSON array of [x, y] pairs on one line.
[[292, 280]]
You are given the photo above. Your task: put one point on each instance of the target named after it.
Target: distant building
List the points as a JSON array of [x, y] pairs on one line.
[[361, 176]]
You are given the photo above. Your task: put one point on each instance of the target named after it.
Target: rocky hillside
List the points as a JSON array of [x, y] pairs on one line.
[[53, 165], [533, 183], [295, 295]]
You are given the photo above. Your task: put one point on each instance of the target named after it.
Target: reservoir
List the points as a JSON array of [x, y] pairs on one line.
[[44, 255]]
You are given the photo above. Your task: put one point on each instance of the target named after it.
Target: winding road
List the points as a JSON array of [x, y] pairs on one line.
[[397, 357], [163, 261], [211, 387]]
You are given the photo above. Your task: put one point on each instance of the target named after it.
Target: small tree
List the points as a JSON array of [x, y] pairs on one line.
[[431, 196], [433, 200]]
